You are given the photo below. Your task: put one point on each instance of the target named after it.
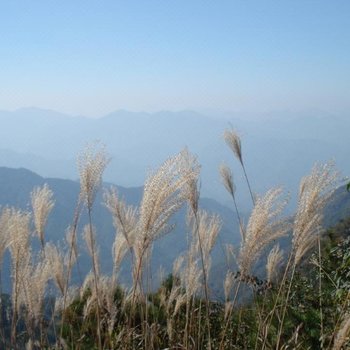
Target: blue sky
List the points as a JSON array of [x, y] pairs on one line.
[[92, 57]]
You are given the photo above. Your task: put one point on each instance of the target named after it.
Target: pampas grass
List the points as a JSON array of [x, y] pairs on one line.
[[233, 141], [91, 164], [265, 225], [315, 192], [18, 223], [125, 223], [274, 261], [165, 191], [183, 313], [42, 204]]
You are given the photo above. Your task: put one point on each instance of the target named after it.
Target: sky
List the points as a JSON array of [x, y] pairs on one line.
[[93, 57]]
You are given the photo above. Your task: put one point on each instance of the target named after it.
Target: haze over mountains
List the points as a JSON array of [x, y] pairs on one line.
[[278, 148]]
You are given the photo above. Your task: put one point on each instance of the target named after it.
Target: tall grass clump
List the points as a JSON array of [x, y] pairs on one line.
[[286, 288]]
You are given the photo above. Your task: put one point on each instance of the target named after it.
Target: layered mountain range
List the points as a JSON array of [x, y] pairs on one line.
[[278, 148]]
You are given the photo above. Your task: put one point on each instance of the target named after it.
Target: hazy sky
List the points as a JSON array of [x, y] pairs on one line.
[[92, 57]]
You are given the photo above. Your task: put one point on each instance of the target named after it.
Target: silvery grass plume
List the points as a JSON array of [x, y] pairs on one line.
[[58, 266], [4, 232], [228, 285], [89, 234], [125, 223], [274, 261], [42, 204], [71, 242], [106, 290], [32, 345], [233, 141], [176, 295], [230, 254], [208, 228], [172, 300], [87, 286], [33, 289], [264, 226], [18, 225], [343, 335], [191, 274], [91, 165], [315, 191], [193, 197], [165, 191], [227, 180], [63, 302]]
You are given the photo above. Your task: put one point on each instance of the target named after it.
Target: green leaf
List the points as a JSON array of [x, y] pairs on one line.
[[348, 187]]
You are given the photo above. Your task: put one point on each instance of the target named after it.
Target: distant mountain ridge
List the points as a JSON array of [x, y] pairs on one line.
[[277, 151]]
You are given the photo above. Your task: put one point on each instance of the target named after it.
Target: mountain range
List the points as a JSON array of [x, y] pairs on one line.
[[278, 148]]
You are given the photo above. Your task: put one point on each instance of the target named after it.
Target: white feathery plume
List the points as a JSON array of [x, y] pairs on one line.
[[42, 204], [315, 191], [58, 266], [228, 284], [274, 260], [207, 231], [125, 224], [4, 231], [34, 286], [233, 141], [263, 228], [72, 295], [18, 225], [71, 241], [227, 179], [165, 191], [91, 165]]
